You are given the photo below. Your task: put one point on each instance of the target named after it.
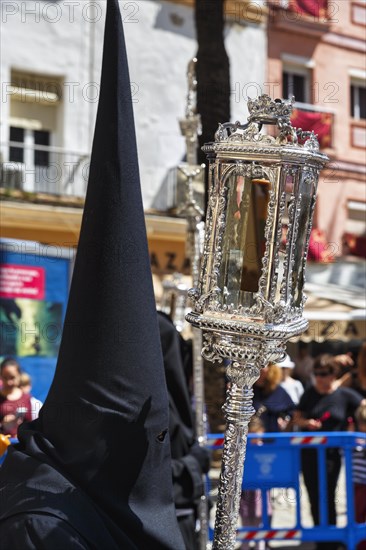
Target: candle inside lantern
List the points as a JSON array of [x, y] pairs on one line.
[[243, 239]]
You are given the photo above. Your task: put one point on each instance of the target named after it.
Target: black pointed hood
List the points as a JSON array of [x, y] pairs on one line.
[[103, 425]]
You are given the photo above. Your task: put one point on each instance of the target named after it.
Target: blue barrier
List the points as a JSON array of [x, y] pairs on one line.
[[274, 461]]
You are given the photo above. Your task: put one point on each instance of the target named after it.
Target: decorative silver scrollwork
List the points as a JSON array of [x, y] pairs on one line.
[[263, 281], [238, 410], [208, 351]]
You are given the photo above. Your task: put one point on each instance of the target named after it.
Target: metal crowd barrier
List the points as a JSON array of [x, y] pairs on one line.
[[274, 461]]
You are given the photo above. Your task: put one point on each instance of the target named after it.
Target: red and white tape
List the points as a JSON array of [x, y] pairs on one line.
[[309, 440], [282, 534], [215, 442]]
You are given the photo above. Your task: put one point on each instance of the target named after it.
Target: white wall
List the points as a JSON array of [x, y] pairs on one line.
[[64, 39]]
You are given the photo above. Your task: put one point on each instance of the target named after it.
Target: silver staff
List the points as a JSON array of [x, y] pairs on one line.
[[249, 300], [192, 209]]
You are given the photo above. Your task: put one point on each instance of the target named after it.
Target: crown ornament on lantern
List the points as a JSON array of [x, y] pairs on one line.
[[270, 111], [264, 110]]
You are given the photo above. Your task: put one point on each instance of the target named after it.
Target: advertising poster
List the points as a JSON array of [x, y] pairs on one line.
[[34, 285]]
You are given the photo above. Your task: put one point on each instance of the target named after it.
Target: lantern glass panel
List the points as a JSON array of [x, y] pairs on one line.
[[243, 242], [306, 198]]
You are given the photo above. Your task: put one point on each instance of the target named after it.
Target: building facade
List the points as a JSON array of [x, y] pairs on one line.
[[316, 52], [50, 73]]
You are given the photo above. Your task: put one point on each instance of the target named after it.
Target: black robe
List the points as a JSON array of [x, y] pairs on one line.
[[189, 460]]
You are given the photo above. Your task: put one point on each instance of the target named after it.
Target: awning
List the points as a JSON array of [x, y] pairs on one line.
[[334, 313]]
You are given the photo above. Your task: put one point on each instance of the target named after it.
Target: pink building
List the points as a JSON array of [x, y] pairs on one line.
[[316, 52]]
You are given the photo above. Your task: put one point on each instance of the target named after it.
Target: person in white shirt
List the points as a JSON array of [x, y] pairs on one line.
[[294, 388]]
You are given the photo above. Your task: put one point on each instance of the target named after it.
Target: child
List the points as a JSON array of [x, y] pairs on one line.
[[359, 473], [15, 406], [251, 500], [25, 384]]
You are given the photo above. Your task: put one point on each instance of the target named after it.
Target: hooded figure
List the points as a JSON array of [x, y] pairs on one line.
[[189, 460], [94, 470]]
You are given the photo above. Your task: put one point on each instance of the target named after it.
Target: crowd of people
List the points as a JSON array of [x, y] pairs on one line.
[[16, 402], [324, 394]]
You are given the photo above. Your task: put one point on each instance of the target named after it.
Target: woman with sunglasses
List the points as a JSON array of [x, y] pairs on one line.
[[324, 407]]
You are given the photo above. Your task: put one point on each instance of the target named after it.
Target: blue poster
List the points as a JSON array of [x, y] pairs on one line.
[[34, 287]]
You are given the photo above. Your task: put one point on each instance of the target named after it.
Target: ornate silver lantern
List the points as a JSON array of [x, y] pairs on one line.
[[249, 300]]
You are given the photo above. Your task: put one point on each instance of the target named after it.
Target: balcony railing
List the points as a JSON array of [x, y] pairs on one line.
[[42, 169], [312, 17]]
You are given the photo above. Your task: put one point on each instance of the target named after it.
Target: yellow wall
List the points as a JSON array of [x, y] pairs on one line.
[[61, 226]]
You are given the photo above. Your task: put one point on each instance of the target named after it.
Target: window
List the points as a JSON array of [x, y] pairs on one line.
[[29, 140], [358, 101], [358, 13], [32, 159], [41, 158], [34, 130], [296, 82], [16, 154]]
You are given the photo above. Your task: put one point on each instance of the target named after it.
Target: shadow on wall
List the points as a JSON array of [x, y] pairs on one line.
[[176, 19], [165, 197]]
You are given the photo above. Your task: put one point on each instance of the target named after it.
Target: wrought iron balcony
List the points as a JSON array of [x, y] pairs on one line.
[[310, 18], [43, 169]]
